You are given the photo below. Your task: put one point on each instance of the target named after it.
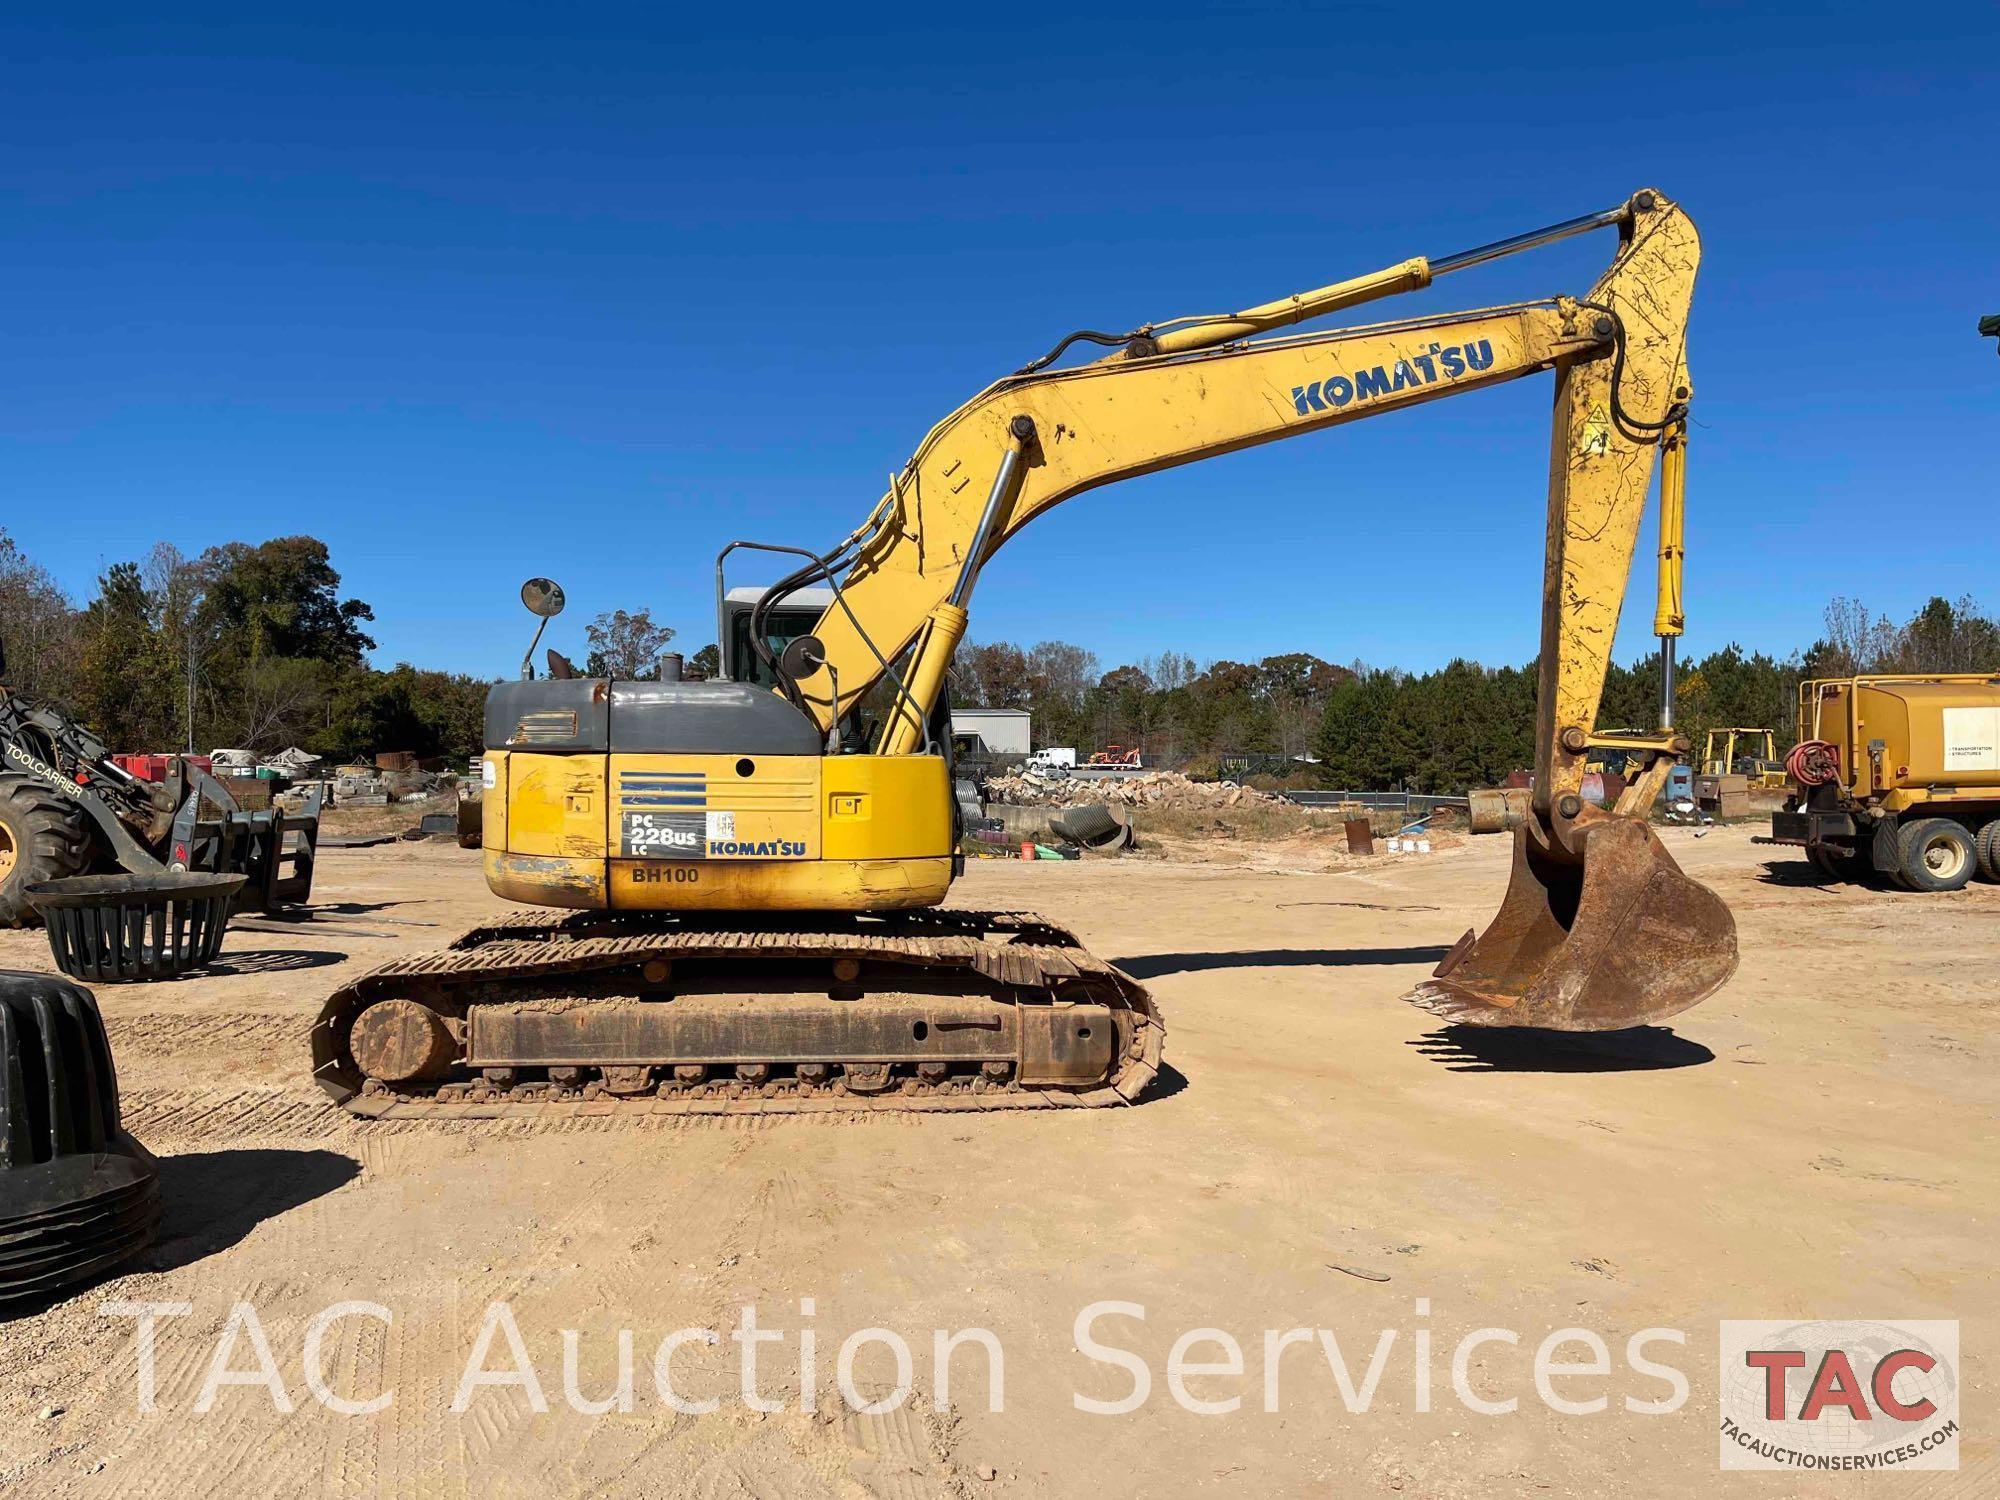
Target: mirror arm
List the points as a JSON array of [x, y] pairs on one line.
[[528, 658]]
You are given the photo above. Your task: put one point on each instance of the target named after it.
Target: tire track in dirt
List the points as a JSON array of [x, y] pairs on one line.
[[359, 1370], [907, 1454], [153, 1036], [753, 1206], [489, 1436], [419, 1446], [302, 1112], [719, 1453], [243, 1445], [414, 1451], [224, 1114], [777, 1206]]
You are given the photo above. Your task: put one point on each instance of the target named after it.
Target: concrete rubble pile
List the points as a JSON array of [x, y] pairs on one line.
[[1055, 788], [371, 786], [352, 784]]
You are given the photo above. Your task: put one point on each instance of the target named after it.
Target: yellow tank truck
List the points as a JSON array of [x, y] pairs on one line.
[[1897, 776]]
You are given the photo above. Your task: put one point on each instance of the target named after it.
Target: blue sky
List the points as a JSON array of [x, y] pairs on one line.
[[590, 291]]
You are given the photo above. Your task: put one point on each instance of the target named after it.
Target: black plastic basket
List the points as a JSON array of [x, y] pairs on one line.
[[113, 928], [77, 1194]]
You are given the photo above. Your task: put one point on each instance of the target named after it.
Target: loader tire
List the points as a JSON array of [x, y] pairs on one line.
[[41, 838], [1988, 845], [1937, 855]]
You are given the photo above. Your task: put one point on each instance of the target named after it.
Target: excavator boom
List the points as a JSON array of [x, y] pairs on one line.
[[1209, 390]]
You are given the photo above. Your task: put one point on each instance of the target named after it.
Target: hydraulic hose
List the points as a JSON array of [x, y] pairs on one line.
[[1813, 763]]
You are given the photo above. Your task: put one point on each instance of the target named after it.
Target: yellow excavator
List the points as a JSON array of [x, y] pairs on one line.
[[737, 880]]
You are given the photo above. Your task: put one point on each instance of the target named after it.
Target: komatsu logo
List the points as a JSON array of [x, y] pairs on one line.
[[760, 849], [1438, 362]]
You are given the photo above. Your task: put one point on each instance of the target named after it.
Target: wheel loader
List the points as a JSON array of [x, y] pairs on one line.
[[68, 808], [734, 886]]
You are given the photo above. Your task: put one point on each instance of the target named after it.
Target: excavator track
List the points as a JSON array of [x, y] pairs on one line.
[[548, 1013]]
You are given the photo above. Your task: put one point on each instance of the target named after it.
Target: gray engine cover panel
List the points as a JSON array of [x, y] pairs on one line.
[[645, 718]]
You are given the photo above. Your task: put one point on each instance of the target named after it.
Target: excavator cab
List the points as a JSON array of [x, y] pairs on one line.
[[789, 620]]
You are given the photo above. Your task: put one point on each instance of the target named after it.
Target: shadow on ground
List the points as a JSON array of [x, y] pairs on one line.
[[1360, 905], [1152, 965], [1524, 1049], [1793, 873], [326, 909], [1796, 875], [214, 1198], [273, 961]]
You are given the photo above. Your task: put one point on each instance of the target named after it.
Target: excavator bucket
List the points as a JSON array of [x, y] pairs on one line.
[[1620, 938]]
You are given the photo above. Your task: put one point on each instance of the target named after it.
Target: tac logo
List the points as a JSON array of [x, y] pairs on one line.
[[1839, 1395]]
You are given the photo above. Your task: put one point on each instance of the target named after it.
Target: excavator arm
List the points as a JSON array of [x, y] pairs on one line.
[[1635, 940], [1619, 354]]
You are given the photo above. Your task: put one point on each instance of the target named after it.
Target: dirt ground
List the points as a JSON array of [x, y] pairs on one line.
[[1816, 1141]]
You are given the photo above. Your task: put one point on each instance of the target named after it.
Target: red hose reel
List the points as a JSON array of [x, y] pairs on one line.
[[1813, 763]]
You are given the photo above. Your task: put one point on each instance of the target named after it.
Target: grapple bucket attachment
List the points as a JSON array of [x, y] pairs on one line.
[[1621, 938]]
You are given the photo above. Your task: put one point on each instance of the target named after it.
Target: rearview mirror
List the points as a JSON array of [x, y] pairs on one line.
[[543, 596]]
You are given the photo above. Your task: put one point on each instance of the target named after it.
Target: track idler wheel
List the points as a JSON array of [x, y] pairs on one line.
[[403, 1041], [1611, 937]]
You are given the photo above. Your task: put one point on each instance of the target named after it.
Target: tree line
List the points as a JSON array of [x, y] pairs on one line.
[[1173, 708], [248, 646], [1461, 725], [256, 646], [252, 647]]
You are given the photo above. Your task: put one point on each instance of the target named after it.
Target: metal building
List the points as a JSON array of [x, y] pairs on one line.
[[1005, 730]]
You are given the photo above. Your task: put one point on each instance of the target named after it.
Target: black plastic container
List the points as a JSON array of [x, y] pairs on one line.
[[77, 1194], [113, 928]]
